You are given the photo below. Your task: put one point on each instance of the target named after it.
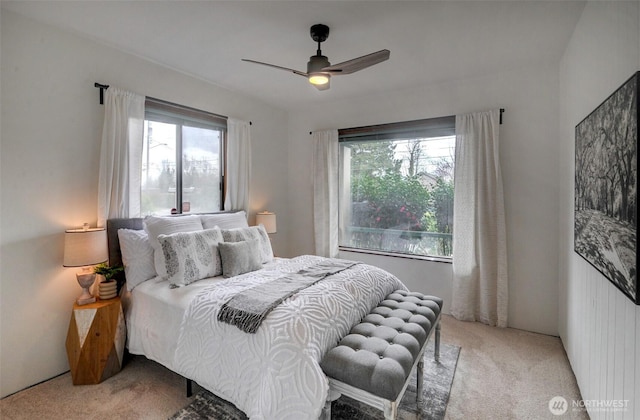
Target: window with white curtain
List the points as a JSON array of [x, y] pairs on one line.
[[182, 160], [396, 188]]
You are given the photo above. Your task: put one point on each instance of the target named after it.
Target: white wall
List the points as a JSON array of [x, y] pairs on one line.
[[599, 326], [51, 130], [530, 166]]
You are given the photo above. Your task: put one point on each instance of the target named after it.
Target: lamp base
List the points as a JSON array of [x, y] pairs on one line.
[[86, 301], [85, 280]]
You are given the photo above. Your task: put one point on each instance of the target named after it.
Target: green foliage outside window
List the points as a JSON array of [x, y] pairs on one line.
[[393, 201]]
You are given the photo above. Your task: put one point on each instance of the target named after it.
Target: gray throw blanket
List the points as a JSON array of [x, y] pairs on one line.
[[247, 309]]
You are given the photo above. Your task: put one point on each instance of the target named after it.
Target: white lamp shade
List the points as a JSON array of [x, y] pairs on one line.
[[268, 220], [85, 247]]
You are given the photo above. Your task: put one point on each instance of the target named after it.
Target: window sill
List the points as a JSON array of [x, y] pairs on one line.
[[446, 260]]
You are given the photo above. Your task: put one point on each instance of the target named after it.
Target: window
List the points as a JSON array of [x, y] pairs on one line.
[[182, 159], [396, 188]]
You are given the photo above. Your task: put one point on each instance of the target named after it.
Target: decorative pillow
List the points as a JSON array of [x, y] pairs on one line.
[[258, 233], [137, 256], [225, 220], [191, 256], [240, 257], [155, 226]]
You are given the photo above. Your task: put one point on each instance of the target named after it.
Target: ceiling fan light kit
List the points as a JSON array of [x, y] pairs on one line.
[[320, 70], [319, 79]]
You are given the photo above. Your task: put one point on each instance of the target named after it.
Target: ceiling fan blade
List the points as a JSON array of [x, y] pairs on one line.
[[352, 66], [301, 73]]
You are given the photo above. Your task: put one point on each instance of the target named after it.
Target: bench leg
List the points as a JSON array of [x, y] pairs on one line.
[[326, 411], [332, 395], [390, 410], [436, 352], [420, 378]]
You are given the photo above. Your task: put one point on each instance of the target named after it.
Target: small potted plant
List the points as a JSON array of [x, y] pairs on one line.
[[108, 288]]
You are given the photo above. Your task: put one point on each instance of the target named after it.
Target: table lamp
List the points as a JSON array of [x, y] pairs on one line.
[[83, 248], [268, 220]]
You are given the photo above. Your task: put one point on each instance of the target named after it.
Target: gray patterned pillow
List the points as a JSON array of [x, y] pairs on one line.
[[191, 256], [251, 233], [240, 257]]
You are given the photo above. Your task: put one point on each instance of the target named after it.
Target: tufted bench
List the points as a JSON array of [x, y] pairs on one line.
[[373, 363]]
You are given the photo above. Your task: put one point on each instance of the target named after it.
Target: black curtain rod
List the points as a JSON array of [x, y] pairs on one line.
[[105, 87], [501, 112]]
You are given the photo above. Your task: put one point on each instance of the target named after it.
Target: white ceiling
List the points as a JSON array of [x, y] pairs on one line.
[[430, 41]]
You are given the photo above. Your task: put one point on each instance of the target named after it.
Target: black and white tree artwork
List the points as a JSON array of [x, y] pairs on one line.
[[606, 186]]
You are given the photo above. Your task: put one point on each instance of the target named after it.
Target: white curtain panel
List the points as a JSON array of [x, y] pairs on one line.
[[325, 192], [480, 291], [120, 155], [238, 165]]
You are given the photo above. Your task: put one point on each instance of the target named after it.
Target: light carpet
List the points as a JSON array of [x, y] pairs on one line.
[[438, 376]]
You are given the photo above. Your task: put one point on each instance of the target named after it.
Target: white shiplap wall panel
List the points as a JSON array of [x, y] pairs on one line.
[[610, 340], [605, 342], [630, 392], [589, 308], [634, 391], [594, 337], [618, 356], [581, 336], [600, 374]]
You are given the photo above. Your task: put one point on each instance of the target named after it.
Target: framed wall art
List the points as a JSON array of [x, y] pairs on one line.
[[606, 186]]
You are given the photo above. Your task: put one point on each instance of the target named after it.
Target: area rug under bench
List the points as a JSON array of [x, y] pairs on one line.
[[438, 377]]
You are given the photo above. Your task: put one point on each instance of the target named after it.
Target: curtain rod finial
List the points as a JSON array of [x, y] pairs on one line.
[[102, 89]]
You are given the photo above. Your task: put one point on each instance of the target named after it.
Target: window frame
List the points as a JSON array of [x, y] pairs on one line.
[[416, 129], [161, 111]]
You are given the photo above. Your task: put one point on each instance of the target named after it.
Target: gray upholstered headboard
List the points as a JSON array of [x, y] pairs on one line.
[[136, 223]]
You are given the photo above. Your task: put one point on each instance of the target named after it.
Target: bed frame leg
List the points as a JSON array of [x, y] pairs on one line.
[[189, 388]]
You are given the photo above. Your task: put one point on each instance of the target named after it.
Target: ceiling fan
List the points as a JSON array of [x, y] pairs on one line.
[[319, 70]]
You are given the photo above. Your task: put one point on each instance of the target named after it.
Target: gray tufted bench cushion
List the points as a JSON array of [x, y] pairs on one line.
[[374, 361]]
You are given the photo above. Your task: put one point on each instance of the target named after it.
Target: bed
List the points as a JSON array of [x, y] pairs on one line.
[[272, 373]]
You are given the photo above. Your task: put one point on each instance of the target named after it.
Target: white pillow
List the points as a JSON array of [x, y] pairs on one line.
[[155, 226], [225, 220], [240, 257], [137, 256], [246, 234], [191, 256]]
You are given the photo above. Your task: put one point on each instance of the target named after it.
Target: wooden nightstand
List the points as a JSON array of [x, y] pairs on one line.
[[95, 341]]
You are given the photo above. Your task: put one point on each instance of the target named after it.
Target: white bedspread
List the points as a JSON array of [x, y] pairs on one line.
[[275, 373], [154, 314]]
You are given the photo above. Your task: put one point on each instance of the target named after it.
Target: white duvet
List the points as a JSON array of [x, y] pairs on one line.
[[275, 373]]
